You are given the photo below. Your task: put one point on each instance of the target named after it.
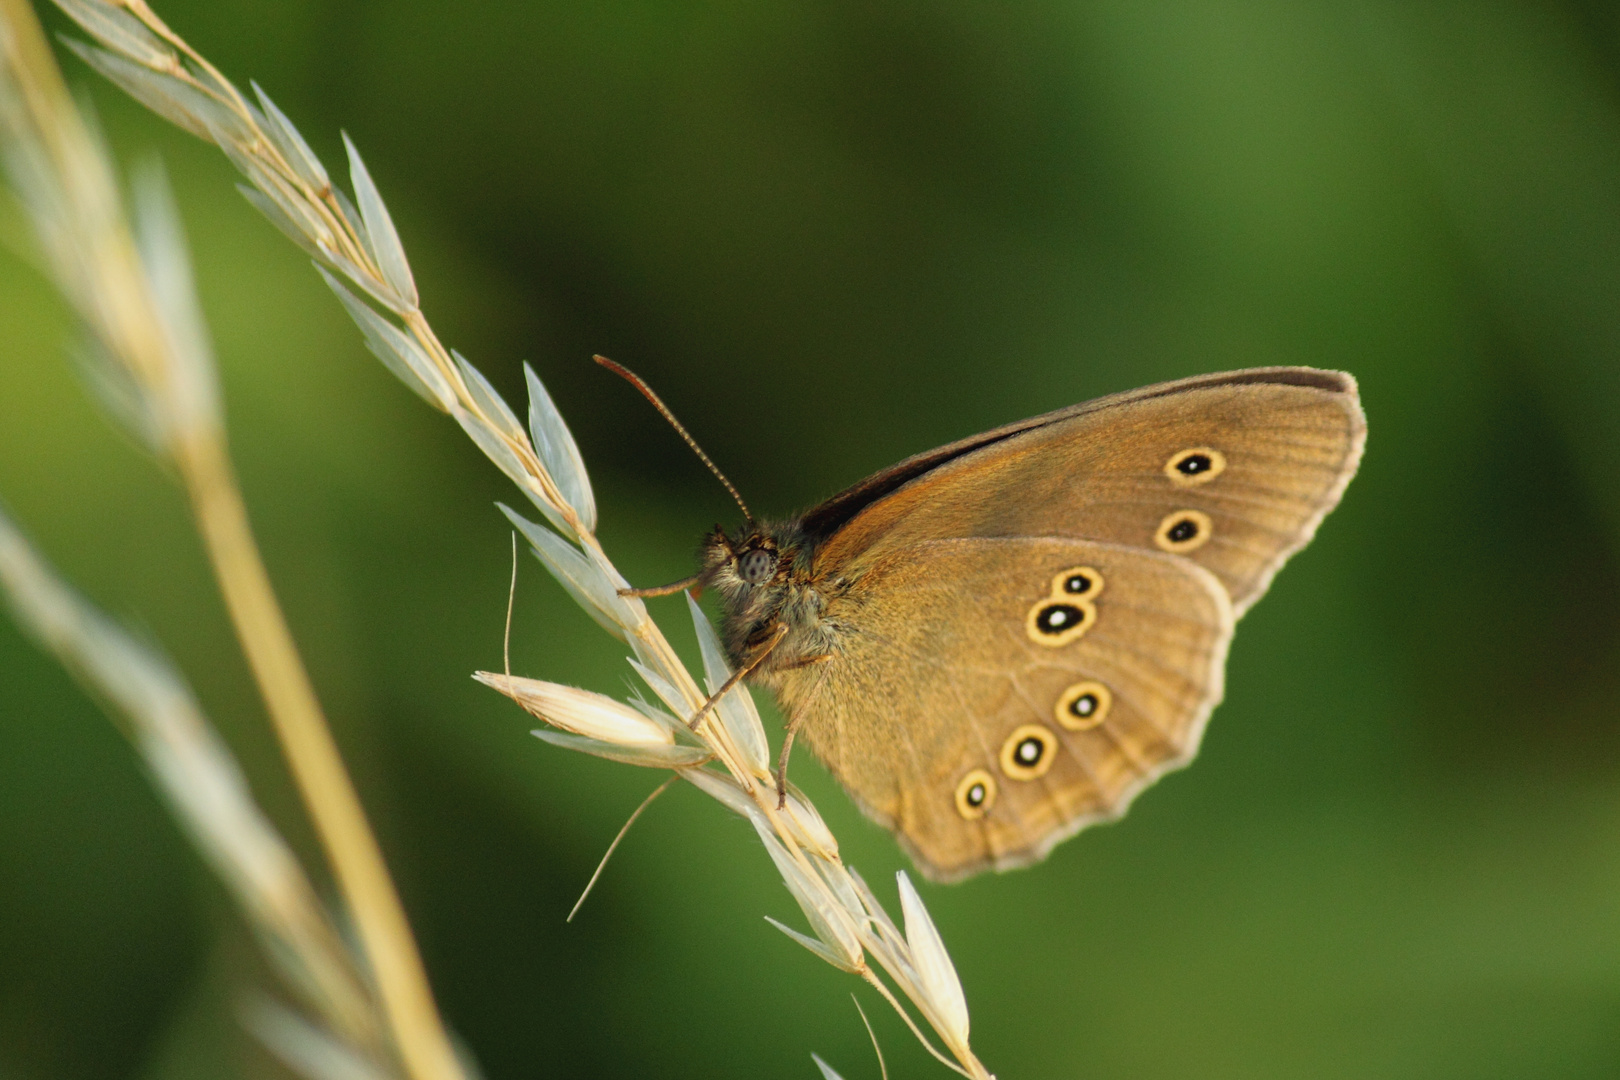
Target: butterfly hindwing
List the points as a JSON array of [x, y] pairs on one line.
[[1067, 674]]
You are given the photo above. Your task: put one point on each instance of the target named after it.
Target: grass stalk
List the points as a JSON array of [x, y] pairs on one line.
[[68, 183]]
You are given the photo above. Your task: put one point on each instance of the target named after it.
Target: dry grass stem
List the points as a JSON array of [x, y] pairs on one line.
[[360, 255], [133, 292]]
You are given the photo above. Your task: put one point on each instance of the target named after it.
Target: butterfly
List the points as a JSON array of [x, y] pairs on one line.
[[996, 643]]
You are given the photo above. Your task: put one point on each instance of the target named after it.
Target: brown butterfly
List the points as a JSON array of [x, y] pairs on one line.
[[1001, 641]]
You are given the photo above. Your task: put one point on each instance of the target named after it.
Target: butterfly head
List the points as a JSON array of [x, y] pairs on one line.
[[762, 576], [753, 559]]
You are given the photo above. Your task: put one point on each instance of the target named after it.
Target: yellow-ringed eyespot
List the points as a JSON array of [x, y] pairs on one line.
[[1028, 752], [1182, 531], [975, 794], [1078, 581], [1199, 465], [1083, 705], [1054, 622]]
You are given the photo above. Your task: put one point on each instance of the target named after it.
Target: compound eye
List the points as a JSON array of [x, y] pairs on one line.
[[757, 566]]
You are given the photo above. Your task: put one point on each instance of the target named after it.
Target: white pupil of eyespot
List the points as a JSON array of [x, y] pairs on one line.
[[1058, 617], [976, 794], [1029, 750]]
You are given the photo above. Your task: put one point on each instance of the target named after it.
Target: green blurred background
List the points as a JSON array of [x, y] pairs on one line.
[[831, 234]]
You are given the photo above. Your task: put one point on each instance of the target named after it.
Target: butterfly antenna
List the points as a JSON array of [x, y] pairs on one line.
[[647, 392]]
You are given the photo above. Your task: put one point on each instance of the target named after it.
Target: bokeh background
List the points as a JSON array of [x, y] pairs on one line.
[[833, 233]]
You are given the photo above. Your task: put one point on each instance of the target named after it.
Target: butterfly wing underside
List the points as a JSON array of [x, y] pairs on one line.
[[974, 661]]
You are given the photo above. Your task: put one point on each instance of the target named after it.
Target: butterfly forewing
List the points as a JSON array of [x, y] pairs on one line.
[[1234, 475], [972, 662]]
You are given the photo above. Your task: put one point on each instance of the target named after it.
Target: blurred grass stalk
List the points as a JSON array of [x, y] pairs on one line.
[[150, 357], [194, 770], [356, 241]]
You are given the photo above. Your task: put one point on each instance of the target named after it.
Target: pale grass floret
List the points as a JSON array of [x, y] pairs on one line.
[[936, 973], [583, 712], [827, 1071], [308, 1049], [725, 752]]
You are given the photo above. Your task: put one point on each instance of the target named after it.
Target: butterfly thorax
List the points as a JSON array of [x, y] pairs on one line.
[[764, 579]]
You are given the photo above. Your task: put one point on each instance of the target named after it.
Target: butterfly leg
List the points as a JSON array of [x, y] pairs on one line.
[[738, 676], [789, 730]]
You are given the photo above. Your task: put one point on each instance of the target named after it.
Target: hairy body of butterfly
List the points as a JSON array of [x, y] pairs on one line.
[[998, 642]]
